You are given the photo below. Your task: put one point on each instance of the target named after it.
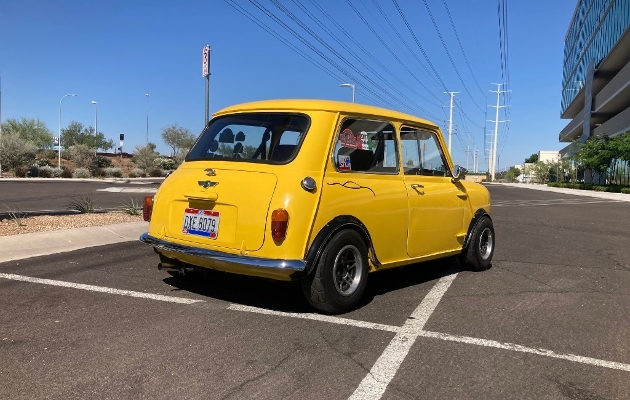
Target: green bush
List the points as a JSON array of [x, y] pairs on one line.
[[48, 172], [33, 171], [20, 172], [66, 172], [81, 173], [164, 163], [100, 162], [155, 172], [112, 172], [625, 190], [137, 173]]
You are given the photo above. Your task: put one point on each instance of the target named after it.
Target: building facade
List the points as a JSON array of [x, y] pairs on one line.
[[596, 71]]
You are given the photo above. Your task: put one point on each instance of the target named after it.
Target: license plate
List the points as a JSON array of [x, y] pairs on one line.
[[201, 223]]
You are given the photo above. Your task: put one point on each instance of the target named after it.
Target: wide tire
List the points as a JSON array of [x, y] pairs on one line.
[[478, 255], [340, 276]]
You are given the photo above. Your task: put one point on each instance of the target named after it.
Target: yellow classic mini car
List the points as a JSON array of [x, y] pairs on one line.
[[320, 192]]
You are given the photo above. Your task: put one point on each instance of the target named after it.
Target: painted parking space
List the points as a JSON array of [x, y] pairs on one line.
[[546, 321]]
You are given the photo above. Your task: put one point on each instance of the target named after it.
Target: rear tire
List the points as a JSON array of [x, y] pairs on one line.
[[478, 255], [340, 276]]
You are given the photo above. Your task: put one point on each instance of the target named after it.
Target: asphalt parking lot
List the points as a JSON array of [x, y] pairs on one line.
[[549, 320]]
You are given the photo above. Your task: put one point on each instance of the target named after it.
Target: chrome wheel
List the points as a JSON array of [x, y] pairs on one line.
[[486, 243], [348, 270]]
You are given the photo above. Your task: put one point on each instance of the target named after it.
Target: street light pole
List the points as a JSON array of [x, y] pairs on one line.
[[147, 95], [350, 85], [95, 122], [59, 142], [95, 117]]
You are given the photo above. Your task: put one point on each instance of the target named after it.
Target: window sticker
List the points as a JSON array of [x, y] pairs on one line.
[[344, 163], [363, 143], [348, 140]]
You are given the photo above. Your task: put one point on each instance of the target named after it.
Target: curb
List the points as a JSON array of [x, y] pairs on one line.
[[27, 245], [575, 192]]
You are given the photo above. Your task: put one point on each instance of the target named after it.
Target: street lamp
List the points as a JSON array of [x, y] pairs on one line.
[[147, 95], [95, 122], [59, 142], [350, 85]]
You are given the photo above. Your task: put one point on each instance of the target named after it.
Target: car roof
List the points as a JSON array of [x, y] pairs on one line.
[[321, 105]]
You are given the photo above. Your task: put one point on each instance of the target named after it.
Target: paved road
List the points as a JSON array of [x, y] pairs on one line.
[[37, 196], [549, 320]]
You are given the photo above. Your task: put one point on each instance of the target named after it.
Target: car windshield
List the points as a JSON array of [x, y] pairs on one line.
[[259, 137]]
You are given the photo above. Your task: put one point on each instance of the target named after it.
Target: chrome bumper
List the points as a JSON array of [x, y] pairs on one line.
[[255, 266]]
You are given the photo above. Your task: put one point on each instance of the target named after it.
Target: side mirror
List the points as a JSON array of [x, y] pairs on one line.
[[459, 173]]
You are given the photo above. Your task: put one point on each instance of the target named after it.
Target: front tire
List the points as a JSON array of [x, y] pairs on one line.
[[340, 276], [478, 255]]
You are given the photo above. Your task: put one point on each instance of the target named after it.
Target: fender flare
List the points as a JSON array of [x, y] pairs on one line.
[[479, 215], [328, 231]]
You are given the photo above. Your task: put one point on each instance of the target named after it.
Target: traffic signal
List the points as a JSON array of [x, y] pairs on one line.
[[122, 136]]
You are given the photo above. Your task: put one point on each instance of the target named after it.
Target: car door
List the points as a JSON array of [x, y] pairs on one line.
[[435, 204], [364, 182]]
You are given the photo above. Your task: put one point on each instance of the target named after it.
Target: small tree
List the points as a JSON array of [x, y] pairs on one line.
[[32, 130], [15, 151], [596, 154], [542, 169], [179, 139], [76, 133], [145, 155], [532, 159]]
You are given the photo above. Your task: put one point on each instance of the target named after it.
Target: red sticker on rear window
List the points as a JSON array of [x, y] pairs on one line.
[[348, 140]]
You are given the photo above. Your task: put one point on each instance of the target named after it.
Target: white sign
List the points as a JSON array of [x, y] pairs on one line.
[[206, 62]]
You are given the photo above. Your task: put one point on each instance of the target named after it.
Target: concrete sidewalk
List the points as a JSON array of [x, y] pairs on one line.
[[17, 247], [575, 192]]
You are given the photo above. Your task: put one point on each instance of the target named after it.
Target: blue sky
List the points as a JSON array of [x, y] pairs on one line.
[[115, 52]]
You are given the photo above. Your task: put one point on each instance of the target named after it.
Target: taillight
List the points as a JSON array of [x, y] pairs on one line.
[[279, 223], [147, 208]]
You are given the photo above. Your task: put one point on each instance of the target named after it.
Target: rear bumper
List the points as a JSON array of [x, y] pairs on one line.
[[254, 266]]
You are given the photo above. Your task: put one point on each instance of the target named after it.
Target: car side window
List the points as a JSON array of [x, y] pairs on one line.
[[365, 145], [422, 153]]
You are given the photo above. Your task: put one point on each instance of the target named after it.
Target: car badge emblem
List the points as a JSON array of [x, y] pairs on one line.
[[207, 184], [210, 172]]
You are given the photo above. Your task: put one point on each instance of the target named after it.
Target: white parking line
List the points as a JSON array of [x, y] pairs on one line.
[[516, 347], [115, 189], [376, 381], [100, 289]]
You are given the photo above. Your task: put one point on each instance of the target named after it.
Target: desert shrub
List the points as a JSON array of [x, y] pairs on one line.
[[48, 172], [40, 162], [100, 162], [112, 172], [137, 173], [99, 173], [33, 171], [81, 155], [81, 173], [164, 163], [66, 172], [20, 172], [155, 172]]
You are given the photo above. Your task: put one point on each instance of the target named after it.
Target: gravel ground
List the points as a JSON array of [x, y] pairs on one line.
[[41, 223]]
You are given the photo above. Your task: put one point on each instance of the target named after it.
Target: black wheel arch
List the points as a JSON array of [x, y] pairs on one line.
[[479, 214], [338, 224]]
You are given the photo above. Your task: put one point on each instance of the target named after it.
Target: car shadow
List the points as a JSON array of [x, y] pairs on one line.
[[287, 296]]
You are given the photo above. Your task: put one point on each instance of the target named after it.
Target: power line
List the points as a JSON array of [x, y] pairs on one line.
[[448, 53], [426, 57], [459, 42]]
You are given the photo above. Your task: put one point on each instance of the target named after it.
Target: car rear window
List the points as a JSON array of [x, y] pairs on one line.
[[258, 137]]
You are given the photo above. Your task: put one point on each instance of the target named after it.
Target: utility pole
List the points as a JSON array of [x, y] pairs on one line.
[[493, 158], [475, 160], [450, 121]]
